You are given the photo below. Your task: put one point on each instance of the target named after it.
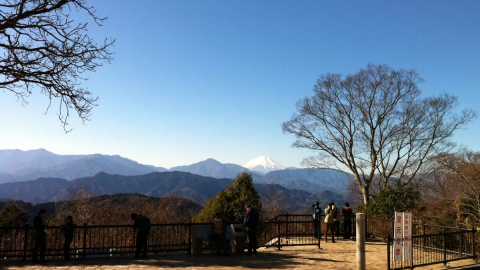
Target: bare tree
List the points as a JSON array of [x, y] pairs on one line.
[[274, 200], [375, 123], [43, 47], [463, 185]]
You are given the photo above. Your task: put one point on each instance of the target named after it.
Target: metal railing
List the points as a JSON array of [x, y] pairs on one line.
[[432, 244], [16, 243], [289, 230]]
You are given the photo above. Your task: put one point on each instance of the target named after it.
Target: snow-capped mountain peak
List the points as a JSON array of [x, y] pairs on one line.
[[263, 164]]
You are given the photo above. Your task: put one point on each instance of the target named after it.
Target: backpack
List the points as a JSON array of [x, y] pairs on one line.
[[316, 213], [218, 226]]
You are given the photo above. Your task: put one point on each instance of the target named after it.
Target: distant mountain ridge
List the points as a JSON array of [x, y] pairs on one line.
[[177, 184], [212, 168], [17, 165]]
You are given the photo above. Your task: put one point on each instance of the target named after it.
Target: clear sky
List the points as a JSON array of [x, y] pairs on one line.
[[193, 80]]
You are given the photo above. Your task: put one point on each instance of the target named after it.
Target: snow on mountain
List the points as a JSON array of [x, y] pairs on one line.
[[263, 164]]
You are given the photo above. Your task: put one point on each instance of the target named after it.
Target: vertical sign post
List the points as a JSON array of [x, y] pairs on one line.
[[398, 237], [407, 236], [361, 235]]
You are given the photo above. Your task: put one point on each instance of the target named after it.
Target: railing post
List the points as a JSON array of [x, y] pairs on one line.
[[84, 240], [190, 238], [25, 243], [444, 247], [279, 238], [473, 244], [423, 230], [388, 251], [461, 242], [286, 228]]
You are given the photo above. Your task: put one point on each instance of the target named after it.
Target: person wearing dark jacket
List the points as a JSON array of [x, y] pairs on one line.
[[250, 224], [40, 236], [317, 212], [68, 229], [142, 228], [347, 214]]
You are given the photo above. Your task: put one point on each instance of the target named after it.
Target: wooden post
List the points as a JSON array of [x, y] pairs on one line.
[[361, 235], [84, 253], [25, 243]]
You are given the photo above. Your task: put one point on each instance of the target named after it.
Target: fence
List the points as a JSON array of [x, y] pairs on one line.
[[289, 230], [16, 243], [432, 244]]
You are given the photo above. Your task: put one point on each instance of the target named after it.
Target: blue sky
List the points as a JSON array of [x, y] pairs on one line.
[[198, 79]]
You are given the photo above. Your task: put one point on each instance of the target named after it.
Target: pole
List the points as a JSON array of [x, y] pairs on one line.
[[388, 251], [361, 235]]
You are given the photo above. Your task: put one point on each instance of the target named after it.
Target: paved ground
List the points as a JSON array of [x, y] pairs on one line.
[[332, 256]]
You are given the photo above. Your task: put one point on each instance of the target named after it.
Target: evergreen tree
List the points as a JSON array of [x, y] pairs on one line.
[[231, 202], [13, 216], [400, 197]]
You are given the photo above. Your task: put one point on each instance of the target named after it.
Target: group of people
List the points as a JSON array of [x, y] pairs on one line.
[[333, 216], [40, 228], [250, 223], [142, 228]]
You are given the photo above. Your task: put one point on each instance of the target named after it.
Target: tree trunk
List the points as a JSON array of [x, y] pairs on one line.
[[366, 194]]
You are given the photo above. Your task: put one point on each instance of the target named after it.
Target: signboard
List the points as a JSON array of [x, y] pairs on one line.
[[407, 236], [398, 236]]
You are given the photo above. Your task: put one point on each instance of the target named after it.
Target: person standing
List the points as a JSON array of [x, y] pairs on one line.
[[219, 229], [142, 227], [316, 219], [329, 222], [250, 224], [40, 236], [347, 213], [337, 216], [68, 228]]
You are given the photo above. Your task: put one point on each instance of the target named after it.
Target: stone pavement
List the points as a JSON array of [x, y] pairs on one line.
[[332, 256]]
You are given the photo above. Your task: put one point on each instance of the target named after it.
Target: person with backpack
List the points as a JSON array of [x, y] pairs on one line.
[[316, 219], [337, 216], [250, 223], [219, 231], [68, 229], [40, 236], [329, 222], [347, 213], [142, 228]]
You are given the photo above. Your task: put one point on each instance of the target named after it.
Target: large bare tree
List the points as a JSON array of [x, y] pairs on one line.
[[374, 123], [44, 48]]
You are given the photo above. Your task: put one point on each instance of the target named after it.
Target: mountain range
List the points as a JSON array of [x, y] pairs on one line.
[[17, 166], [176, 184]]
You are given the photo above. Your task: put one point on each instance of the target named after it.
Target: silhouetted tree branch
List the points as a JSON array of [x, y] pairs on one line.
[[43, 47]]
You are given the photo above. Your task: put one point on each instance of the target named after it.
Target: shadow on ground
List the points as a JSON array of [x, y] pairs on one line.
[[276, 260]]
